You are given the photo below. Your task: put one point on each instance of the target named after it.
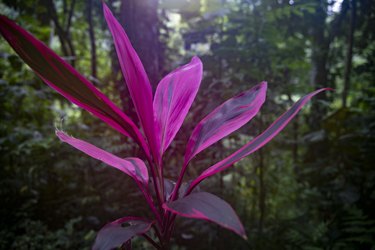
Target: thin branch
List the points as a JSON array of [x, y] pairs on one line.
[[64, 37], [70, 15], [149, 201]]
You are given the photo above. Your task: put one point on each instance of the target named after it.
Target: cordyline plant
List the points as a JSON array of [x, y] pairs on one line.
[[161, 116]]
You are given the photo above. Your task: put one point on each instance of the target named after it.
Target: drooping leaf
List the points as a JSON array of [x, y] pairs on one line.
[[173, 98], [258, 142], [208, 207], [118, 232], [62, 77], [136, 79], [133, 167], [225, 119]]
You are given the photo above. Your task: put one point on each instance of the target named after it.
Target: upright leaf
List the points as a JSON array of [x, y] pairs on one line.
[[62, 77], [133, 167], [173, 98], [228, 117], [136, 79], [257, 142], [208, 207], [116, 233]]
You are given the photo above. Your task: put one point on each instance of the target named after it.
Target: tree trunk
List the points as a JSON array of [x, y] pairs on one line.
[[319, 77], [295, 124], [262, 193], [92, 39], [349, 54], [140, 20]]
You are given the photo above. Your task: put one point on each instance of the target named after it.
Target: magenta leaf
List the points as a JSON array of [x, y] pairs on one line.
[[208, 207], [173, 98], [62, 77], [133, 167], [116, 233], [228, 117], [136, 79], [257, 142]]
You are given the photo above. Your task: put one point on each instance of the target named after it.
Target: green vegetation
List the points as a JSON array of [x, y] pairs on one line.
[[311, 188]]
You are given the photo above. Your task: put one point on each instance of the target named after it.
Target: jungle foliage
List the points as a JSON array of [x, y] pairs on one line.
[[311, 188]]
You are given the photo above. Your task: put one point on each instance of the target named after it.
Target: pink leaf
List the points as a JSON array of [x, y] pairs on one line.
[[258, 142], [116, 233], [173, 98], [133, 167], [66, 80], [136, 79], [208, 207], [228, 117]]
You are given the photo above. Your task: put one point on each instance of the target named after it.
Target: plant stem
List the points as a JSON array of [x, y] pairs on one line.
[[158, 234], [179, 182], [148, 238], [160, 166], [155, 181], [169, 232], [149, 202], [168, 227]]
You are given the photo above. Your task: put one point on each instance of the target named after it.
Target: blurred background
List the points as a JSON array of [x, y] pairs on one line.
[[312, 187]]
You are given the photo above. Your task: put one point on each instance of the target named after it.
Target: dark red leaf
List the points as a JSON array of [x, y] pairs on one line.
[[118, 232], [208, 207], [225, 119], [258, 142], [62, 77]]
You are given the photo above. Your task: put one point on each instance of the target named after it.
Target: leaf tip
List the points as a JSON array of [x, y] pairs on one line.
[[196, 59], [106, 9], [61, 135], [241, 231], [264, 84]]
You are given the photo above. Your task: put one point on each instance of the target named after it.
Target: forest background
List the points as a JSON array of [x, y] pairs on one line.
[[310, 188]]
